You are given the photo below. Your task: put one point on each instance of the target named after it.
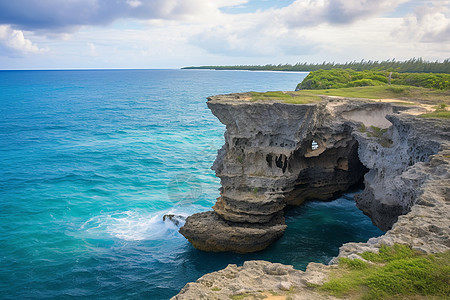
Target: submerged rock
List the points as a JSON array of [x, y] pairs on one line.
[[177, 220]]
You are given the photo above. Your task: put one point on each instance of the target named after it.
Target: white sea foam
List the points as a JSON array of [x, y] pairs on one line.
[[131, 225]]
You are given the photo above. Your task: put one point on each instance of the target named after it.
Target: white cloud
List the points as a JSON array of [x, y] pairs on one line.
[[286, 31], [168, 33], [134, 3], [313, 12], [429, 24], [263, 38], [14, 44], [67, 16]]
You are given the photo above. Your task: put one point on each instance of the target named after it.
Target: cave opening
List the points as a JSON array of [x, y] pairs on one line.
[[321, 210], [323, 173]]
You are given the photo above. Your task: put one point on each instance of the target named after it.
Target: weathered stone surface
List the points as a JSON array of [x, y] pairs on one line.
[[408, 185], [268, 162], [395, 175], [254, 280], [426, 227], [207, 231]]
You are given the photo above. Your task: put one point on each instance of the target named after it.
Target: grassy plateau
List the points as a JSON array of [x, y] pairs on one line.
[[399, 88]]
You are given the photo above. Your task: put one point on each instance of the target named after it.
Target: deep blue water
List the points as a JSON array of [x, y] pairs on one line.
[[90, 161]]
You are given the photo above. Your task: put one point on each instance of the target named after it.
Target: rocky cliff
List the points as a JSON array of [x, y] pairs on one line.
[[275, 154], [279, 154]]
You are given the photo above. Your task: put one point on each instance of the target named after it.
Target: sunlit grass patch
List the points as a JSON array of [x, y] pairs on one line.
[[440, 112], [437, 114], [393, 273], [286, 97], [409, 93]]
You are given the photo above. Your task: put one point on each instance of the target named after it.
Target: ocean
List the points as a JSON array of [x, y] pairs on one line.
[[91, 161]]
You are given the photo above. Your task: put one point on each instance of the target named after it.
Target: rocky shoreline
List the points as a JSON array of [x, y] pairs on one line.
[[279, 154]]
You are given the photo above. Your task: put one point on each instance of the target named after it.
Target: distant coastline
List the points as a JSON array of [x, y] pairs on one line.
[[413, 65]]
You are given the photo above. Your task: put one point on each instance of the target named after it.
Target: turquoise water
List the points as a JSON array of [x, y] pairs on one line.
[[91, 160]]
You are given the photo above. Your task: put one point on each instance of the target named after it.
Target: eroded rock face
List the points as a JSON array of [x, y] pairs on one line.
[[406, 191], [268, 162], [394, 181]]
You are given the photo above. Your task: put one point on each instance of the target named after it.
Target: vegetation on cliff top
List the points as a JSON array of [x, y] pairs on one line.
[[344, 78], [286, 97], [440, 112], [401, 88], [393, 273], [409, 94], [412, 65]]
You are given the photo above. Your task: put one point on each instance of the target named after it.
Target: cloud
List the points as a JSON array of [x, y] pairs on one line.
[[149, 33], [67, 16], [314, 12], [428, 24], [260, 40], [14, 44], [285, 30]]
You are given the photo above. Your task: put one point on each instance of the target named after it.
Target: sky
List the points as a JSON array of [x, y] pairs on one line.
[[146, 34]]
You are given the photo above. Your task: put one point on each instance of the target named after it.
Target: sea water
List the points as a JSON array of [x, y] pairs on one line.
[[91, 161]]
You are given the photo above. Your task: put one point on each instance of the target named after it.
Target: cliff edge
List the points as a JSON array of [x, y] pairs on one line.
[[278, 154]]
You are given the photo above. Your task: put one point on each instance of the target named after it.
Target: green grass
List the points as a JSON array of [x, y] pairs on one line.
[[395, 272], [410, 93], [240, 296], [440, 112], [437, 114], [374, 131], [286, 97], [378, 133]]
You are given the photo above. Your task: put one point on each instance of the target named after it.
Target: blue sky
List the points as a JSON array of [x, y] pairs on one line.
[[58, 34]]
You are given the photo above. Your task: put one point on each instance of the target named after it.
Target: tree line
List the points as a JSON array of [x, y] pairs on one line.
[[413, 65]]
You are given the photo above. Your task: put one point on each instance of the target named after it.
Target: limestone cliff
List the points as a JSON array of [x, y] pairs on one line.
[[269, 160], [392, 184], [278, 154]]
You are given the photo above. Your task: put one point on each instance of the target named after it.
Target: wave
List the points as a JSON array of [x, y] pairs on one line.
[[132, 225]]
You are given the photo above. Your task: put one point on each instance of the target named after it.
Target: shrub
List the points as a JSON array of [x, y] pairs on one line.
[[339, 78], [363, 82]]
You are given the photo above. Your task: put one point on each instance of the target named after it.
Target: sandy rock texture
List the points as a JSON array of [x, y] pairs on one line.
[[257, 280]]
